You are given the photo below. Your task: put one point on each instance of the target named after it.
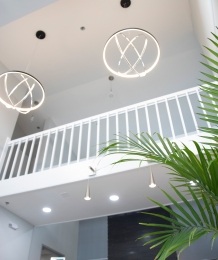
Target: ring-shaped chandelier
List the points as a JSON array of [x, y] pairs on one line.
[[131, 53], [21, 91]]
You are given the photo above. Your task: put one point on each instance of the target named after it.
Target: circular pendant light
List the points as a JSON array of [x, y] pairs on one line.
[[131, 53], [21, 91]]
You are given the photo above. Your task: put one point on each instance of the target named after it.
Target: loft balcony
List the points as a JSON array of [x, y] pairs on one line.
[[64, 154]]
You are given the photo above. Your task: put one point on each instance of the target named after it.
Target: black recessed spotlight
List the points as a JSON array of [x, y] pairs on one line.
[[40, 35], [125, 3]]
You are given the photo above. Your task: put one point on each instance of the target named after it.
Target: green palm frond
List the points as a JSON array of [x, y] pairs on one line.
[[186, 223], [184, 164], [210, 93]]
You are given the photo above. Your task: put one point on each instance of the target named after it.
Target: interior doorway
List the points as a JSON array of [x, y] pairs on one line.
[[50, 254]]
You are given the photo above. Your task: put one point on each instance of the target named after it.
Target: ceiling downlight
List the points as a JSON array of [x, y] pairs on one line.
[[46, 210], [114, 197]]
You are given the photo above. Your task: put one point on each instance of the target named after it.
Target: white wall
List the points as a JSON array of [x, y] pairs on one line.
[[62, 237], [93, 239], [205, 19], [93, 98], [23, 8], [26, 242], [201, 250], [14, 244]]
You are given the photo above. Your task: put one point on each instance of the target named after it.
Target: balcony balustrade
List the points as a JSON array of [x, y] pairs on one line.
[[173, 116]]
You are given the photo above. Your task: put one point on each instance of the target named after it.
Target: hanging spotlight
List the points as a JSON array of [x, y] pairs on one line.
[[152, 182], [21, 91], [111, 94], [87, 195], [93, 171]]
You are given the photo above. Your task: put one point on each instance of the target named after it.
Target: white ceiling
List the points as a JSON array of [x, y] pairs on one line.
[[68, 62], [67, 201]]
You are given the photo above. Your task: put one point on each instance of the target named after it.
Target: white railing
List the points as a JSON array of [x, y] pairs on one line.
[[172, 116]]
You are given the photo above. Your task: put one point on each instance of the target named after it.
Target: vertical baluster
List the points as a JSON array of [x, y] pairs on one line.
[[181, 116], [170, 119], [192, 112], [80, 141], [127, 123], [107, 130], [137, 120], [7, 162], [3, 155], [117, 128], [62, 146], [88, 140], [54, 148], [158, 119], [30, 156], [15, 159], [38, 152], [71, 143], [22, 158], [117, 125], [147, 120], [202, 105], [98, 136], [46, 151]]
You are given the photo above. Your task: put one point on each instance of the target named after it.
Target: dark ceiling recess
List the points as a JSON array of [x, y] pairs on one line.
[[125, 3], [40, 35]]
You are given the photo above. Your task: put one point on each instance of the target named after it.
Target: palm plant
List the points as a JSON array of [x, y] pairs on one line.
[[184, 224]]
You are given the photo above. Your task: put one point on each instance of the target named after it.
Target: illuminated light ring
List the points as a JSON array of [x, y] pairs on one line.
[[25, 77], [122, 52], [131, 67]]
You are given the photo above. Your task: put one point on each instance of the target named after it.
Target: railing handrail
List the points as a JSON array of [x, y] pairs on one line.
[[112, 112], [172, 115]]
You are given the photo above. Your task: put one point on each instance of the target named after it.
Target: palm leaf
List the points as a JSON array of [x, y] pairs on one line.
[[187, 224], [211, 88]]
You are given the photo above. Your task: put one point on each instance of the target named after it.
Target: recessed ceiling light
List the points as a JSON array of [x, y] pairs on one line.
[[125, 3], [114, 197], [46, 209], [40, 35]]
